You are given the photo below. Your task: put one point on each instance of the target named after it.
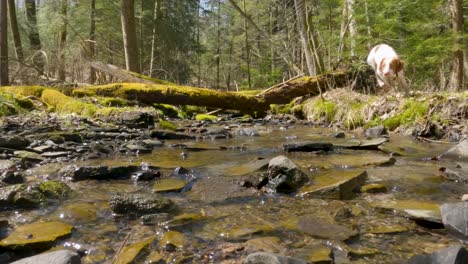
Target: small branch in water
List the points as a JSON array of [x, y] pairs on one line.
[[121, 246], [434, 141]]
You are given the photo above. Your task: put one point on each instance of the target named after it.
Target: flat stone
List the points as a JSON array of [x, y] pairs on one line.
[[371, 144], [14, 142], [308, 146], [169, 185], [130, 253], [335, 185], [455, 218], [54, 257], [319, 228], [55, 154], [248, 167], [265, 244], [417, 210], [40, 235], [5, 164], [152, 143], [77, 173], [453, 255], [373, 188], [28, 156], [320, 255], [165, 134]]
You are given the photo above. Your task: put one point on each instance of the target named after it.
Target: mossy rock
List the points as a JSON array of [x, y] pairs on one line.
[[112, 101], [36, 236], [203, 117], [54, 189], [80, 212], [66, 105], [163, 124], [168, 110], [130, 253], [24, 90]]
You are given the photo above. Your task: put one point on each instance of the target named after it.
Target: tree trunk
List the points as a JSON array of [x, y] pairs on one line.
[[63, 41], [156, 19], [456, 81], [301, 21], [3, 43], [218, 48], [15, 31], [314, 44], [247, 47], [92, 40], [352, 26], [132, 60], [33, 35]]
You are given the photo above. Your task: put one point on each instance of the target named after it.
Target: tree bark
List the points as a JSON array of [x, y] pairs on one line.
[[132, 59], [92, 39], [352, 26], [456, 81], [218, 48], [63, 41], [247, 47], [156, 20], [301, 22], [3, 43], [33, 35], [15, 31]]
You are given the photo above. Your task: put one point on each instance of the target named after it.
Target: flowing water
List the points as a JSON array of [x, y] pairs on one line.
[[216, 215]]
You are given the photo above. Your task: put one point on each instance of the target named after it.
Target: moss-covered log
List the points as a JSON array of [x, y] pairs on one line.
[[177, 95], [285, 92]]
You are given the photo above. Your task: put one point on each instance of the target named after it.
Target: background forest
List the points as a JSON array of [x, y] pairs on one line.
[[234, 44]]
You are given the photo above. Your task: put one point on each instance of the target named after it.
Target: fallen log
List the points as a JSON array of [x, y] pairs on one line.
[[285, 92], [124, 75], [177, 95]]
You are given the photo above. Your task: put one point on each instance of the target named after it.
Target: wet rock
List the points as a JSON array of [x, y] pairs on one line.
[[6, 164], [270, 258], [130, 253], [36, 236], [146, 175], [75, 173], [138, 148], [54, 257], [10, 176], [336, 185], [55, 154], [374, 132], [452, 255], [284, 176], [459, 152], [133, 119], [181, 171], [44, 148], [319, 228], [340, 135], [308, 146], [14, 142], [154, 219], [454, 217], [247, 131], [139, 203], [28, 156], [369, 144], [413, 209], [266, 244], [169, 185], [17, 196], [165, 134], [320, 255], [373, 188], [453, 175], [152, 143], [59, 137], [173, 238], [78, 212]]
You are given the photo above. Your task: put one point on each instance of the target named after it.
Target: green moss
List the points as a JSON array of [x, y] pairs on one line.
[[323, 109], [54, 189], [11, 103], [148, 78], [249, 92], [354, 117], [24, 90], [111, 101], [187, 111], [66, 105], [202, 117], [167, 110], [410, 111], [163, 124]]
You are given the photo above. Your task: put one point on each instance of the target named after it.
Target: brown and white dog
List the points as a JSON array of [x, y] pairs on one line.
[[387, 66]]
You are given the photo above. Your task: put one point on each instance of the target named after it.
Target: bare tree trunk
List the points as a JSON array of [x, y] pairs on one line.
[[456, 81], [3, 43], [198, 43], [314, 44], [156, 19], [301, 21], [218, 48], [92, 40], [366, 10], [247, 47], [15, 31], [352, 26], [63, 41], [132, 59], [33, 35], [343, 30]]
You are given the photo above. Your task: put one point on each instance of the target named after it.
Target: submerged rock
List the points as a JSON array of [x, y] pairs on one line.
[[139, 203], [374, 188], [23, 196], [413, 209], [266, 244], [308, 146], [270, 258], [75, 173], [459, 152], [455, 218], [36, 236], [319, 228], [452, 255], [174, 239], [169, 185], [336, 185], [284, 176], [247, 131], [130, 253], [54, 257]]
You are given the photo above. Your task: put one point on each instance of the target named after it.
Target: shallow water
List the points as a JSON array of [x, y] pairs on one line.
[[227, 212]]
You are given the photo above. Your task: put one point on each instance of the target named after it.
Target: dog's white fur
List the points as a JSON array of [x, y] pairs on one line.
[[387, 66]]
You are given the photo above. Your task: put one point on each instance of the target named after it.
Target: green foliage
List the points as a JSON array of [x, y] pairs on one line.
[[202, 117], [163, 124], [409, 112], [167, 110]]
